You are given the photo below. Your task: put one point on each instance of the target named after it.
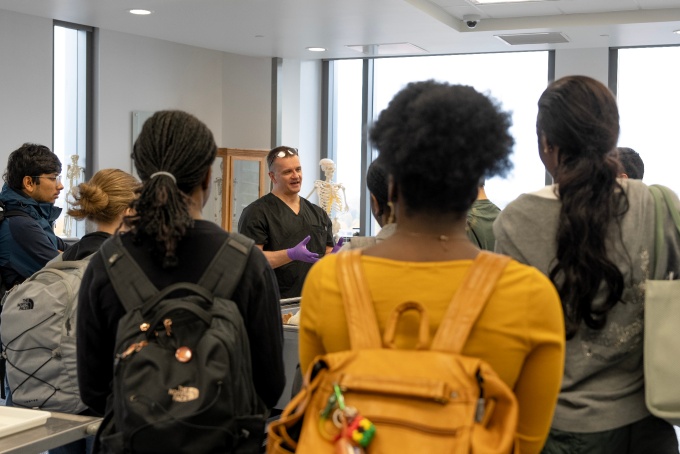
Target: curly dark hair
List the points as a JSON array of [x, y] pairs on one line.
[[631, 162], [438, 140], [579, 115], [178, 143], [31, 160], [376, 181]]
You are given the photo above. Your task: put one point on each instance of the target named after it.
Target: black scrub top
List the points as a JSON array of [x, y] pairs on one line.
[[271, 223]]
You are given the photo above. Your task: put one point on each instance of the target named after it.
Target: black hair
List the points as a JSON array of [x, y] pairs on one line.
[[30, 160], [438, 140], [579, 115], [631, 162], [376, 181], [178, 143]]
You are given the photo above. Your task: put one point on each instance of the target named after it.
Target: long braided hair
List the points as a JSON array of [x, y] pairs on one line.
[[579, 115], [178, 143]]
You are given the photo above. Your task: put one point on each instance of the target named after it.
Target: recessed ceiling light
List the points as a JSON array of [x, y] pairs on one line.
[[677, 31], [141, 12], [316, 49]]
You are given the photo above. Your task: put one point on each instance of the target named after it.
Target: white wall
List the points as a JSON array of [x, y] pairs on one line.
[[136, 73], [230, 93], [301, 122], [25, 82], [309, 123], [593, 62], [246, 103]]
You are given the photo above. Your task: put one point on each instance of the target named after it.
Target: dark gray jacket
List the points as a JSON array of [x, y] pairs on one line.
[[27, 243]]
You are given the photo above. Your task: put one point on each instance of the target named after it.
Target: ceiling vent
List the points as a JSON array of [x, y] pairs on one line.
[[388, 49], [534, 38], [492, 2]]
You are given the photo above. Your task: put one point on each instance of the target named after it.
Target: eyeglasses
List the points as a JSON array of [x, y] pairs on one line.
[[280, 152], [56, 178]]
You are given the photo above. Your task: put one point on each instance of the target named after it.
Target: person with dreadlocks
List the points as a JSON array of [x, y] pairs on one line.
[[172, 243], [593, 236]]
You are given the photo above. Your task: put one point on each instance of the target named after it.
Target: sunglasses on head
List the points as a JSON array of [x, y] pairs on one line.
[[280, 152]]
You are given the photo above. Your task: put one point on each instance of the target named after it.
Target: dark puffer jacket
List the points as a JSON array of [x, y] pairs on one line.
[[27, 243]]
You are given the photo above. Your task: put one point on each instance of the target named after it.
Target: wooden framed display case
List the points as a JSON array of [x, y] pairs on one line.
[[239, 178]]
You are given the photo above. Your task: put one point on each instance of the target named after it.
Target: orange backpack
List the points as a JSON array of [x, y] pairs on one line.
[[425, 400]]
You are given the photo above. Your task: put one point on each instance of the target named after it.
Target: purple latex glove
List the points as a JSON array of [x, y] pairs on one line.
[[301, 253], [338, 245]]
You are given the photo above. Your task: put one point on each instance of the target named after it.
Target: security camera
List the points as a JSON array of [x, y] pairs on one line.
[[471, 20]]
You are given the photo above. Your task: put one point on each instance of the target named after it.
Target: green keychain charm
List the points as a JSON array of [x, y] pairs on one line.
[[357, 429]]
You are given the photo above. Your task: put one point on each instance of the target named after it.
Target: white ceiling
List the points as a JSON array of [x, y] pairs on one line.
[[285, 28]]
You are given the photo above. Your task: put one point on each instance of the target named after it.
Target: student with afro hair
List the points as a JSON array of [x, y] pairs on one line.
[[437, 141]]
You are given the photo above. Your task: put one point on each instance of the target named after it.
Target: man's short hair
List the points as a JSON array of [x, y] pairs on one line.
[[30, 160], [280, 152], [631, 162]]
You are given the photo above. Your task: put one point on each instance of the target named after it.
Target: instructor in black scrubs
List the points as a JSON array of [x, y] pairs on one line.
[[292, 232]]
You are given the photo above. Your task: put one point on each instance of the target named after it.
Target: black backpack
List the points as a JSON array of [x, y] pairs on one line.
[[8, 214], [3, 287], [182, 378]]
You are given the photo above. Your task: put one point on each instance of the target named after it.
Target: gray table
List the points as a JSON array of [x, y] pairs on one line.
[[60, 429], [290, 350]]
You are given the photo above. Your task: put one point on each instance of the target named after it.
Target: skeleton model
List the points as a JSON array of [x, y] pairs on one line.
[[329, 193], [74, 173], [217, 198]]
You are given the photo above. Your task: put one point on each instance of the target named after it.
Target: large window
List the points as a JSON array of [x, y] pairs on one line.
[[648, 96], [72, 114], [516, 80], [348, 153]]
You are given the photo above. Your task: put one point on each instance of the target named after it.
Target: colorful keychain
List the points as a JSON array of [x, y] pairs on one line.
[[356, 432]]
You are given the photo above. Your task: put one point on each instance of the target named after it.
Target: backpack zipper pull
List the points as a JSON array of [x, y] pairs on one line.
[[167, 323], [481, 402], [133, 348]]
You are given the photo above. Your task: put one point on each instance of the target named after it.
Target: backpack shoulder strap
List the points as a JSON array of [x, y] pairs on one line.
[[225, 270], [469, 301], [127, 277], [659, 216], [9, 214], [670, 205], [5, 213], [60, 264], [362, 323], [663, 207]]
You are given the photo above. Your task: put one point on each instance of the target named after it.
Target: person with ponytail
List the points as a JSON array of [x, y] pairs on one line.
[[172, 243], [593, 236]]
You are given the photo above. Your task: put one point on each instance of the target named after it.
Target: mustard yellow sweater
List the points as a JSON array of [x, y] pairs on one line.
[[520, 332]]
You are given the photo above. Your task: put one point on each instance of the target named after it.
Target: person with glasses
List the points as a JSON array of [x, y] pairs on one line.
[[292, 232], [27, 238]]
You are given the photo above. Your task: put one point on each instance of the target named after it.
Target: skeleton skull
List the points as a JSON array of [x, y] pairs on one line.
[[328, 168]]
